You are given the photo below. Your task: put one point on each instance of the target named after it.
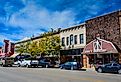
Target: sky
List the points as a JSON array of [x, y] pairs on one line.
[[21, 19]]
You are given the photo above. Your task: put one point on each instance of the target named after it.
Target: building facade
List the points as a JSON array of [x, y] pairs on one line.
[[73, 40], [105, 47], [109, 28], [37, 41], [8, 49]]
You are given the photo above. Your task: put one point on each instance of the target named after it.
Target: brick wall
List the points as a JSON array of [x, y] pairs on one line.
[[108, 26]]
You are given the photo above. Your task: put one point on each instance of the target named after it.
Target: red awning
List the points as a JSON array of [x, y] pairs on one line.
[[2, 54], [99, 46]]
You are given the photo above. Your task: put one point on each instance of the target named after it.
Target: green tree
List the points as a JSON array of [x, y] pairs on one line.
[[50, 45], [20, 49], [33, 49]]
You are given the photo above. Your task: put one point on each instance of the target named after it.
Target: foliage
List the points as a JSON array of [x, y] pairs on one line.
[[48, 45], [20, 49]]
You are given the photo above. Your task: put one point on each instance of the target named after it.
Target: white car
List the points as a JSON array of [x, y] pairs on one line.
[[26, 63]]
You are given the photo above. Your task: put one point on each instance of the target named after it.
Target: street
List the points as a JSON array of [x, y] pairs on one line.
[[14, 74]]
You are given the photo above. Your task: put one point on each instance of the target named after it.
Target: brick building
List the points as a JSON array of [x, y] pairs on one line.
[[7, 49], [109, 28]]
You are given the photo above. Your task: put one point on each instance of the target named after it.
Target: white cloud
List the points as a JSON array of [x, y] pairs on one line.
[[34, 18], [11, 37]]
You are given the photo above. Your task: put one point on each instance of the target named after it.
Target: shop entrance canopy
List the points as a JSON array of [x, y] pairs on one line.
[[99, 46]]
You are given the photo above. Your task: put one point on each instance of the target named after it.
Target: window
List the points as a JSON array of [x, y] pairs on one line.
[[67, 41], [108, 64], [75, 39], [81, 38], [63, 41], [71, 39], [115, 65]]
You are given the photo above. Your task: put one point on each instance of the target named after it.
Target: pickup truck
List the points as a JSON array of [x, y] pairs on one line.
[[110, 67], [26, 63], [6, 61]]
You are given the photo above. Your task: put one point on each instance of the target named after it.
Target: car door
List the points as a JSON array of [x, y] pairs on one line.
[[108, 67], [115, 67], [67, 65], [23, 62]]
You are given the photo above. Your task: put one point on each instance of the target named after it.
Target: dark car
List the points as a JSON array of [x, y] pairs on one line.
[[110, 67], [70, 65], [46, 63]]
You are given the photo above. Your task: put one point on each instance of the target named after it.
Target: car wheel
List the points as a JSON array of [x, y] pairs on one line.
[[2, 65], [18, 65], [72, 68], [119, 71], [27, 66], [46, 66], [11, 65], [99, 70], [61, 67]]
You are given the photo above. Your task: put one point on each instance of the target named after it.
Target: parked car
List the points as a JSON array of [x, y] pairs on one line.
[[110, 67], [26, 63], [70, 65], [6, 61], [46, 63]]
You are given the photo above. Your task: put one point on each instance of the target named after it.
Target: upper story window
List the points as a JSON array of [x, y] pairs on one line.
[[75, 39], [63, 41], [81, 38], [71, 39], [67, 41]]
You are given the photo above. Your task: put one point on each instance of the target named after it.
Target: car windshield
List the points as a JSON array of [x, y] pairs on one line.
[[108, 64], [67, 63]]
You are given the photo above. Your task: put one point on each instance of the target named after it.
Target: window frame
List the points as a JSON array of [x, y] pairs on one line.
[[71, 39], [63, 41], [67, 41], [81, 36], [75, 39]]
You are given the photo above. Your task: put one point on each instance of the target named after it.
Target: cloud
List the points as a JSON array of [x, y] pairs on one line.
[[24, 18], [36, 18]]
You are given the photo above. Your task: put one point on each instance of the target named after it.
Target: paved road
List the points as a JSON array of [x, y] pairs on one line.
[[14, 74]]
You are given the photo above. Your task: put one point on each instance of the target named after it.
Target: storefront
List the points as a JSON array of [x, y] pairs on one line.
[[99, 51], [71, 55]]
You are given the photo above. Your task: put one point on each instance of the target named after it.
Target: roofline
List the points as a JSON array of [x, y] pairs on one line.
[[74, 26], [37, 37], [116, 11]]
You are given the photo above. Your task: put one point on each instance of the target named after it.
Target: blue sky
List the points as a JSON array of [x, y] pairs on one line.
[[24, 18]]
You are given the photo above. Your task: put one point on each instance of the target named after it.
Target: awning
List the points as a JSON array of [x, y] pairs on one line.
[[2, 54], [99, 46]]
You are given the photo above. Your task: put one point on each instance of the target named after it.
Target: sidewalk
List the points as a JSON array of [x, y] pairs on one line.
[[89, 69]]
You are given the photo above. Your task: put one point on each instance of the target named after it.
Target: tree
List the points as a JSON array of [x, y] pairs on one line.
[[50, 45], [20, 49], [33, 49]]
